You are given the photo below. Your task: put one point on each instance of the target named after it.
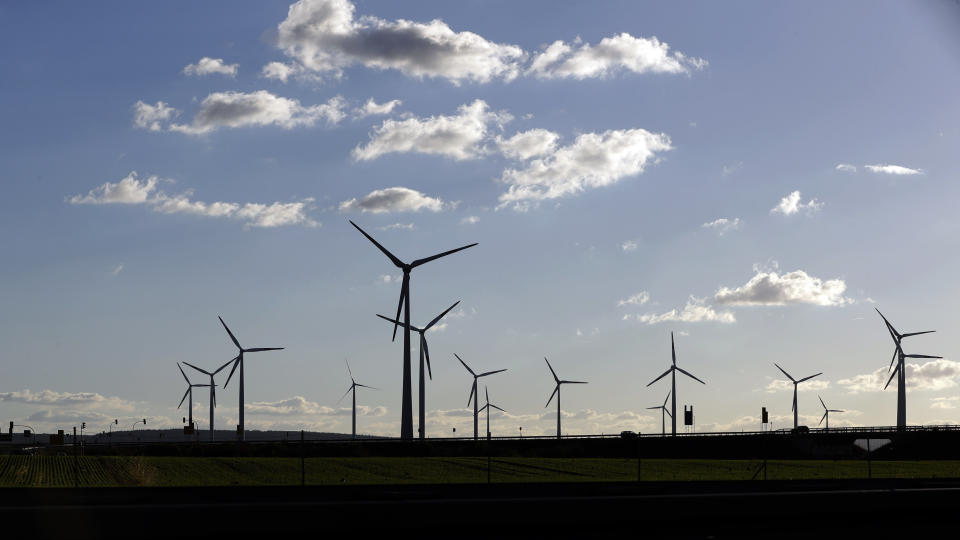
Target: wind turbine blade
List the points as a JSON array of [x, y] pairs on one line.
[[810, 377], [365, 386], [793, 407], [893, 358], [835, 410], [213, 395], [426, 354], [344, 395], [784, 372], [551, 370], [403, 297], [440, 316], [666, 398], [236, 362], [497, 408], [657, 407], [348, 368], [688, 374], [821, 418], [893, 332], [892, 376], [555, 390], [234, 338], [668, 412], [396, 262], [465, 364], [574, 382], [205, 372], [182, 373], [184, 397], [490, 373], [920, 356], [473, 388], [261, 349], [398, 322], [673, 350], [418, 262], [225, 365], [822, 403], [665, 373], [486, 392], [917, 333]]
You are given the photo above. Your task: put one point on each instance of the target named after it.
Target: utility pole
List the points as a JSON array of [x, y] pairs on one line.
[[303, 471], [76, 464]]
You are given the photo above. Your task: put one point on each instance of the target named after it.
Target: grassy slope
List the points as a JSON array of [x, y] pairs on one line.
[[56, 471]]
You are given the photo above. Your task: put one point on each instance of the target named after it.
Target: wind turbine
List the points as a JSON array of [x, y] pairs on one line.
[[556, 391], [474, 394], [353, 388], [900, 370], [487, 407], [424, 352], [826, 413], [406, 413], [188, 393], [673, 384], [663, 412], [213, 390], [796, 383], [238, 361]]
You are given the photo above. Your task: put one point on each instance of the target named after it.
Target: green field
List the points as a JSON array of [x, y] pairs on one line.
[[58, 471]]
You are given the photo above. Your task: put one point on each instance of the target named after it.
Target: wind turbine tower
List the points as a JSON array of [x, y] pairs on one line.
[[487, 408], [826, 413], [672, 371], [353, 388], [213, 390], [474, 394], [900, 371], [238, 361], [663, 414], [406, 409], [556, 391], [796, 383], [188, 393]]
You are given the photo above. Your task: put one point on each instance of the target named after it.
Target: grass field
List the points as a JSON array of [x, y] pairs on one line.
[[58, 471]]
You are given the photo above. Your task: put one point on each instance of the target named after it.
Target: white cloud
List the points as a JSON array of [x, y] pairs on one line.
[[782, 385], [727, 170], [153, 117], [64, 417], [393, 199], [372, 108], [892, 169], [470, 220], [934, 375], [846, 167], [395, 226], [66, 399], [628, 245], [280, 71], [791, 204], [325, 37], [527, 144], [593, 160], [622, 52], [767, 288], [944, 402], [130, 190], [696, 310], [723, 225], [208, 66], [260, 108], [116, 271], [638, 299], [458, 136], [300, 406]]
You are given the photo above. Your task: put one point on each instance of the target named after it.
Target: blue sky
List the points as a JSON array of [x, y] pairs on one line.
[[756, 177]]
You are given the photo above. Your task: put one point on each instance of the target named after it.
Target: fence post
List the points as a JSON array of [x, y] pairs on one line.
[[76, 464], [303, 471], [869, 462], [638, 457]]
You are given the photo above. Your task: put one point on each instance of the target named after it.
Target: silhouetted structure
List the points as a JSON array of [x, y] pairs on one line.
[[900, 371], [826, 413], [487, 408], [238, 361], [424, 353], [353, 388], [672, 371], [663, 413], [474, 394], [406, 413], [556, 391], [213, 390], [796, 383], [188, 393]]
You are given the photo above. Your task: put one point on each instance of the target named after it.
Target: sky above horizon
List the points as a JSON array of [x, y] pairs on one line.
[[754, 177]]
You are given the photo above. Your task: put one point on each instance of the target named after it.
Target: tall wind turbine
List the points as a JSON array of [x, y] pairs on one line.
[[353, 388], [556, 391], [826, 413], [673, 384], [900, 370], [424, 352], [406, 410], [487, 408], [188, 393], [238, 361], [663, 414], [474, 394], [796, 383], [213, 390]]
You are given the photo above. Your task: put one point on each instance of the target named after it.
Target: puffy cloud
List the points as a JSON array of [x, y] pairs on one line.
[[300, 406], [208, 66], [791, 204], [938, 374], [130, 190], [892, 169], [696, 310], [325, 37], [628, 245], [782, 385], [592, 160], [846, 167], [280, 71], [638, 299], [622, 52], [260, 108], [458, 136], [470, 220], [393, 199], [528, 144], [723, 225], [372, 108], [767, 288], [53, 398], [394, 226], [153, 117], [944, 402], [59, 417]]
